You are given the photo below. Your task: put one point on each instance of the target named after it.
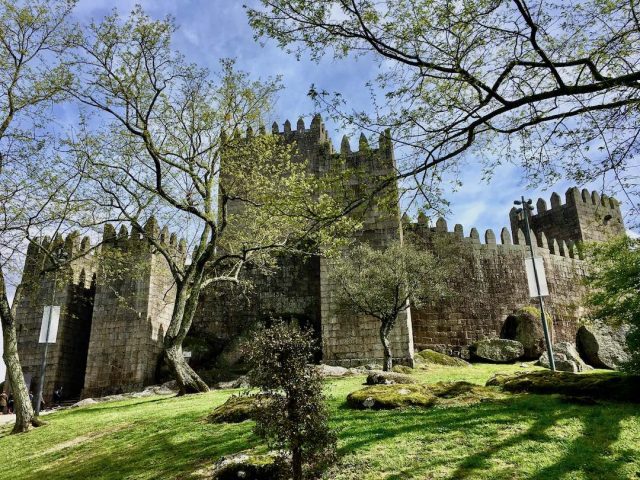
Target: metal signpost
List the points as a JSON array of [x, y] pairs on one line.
[[536, 266], [48, 333]]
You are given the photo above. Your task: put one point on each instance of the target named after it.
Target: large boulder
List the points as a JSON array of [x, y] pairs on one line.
[[497, 350], [431, 357], [603, 346], [525, 326], [384, 397], [567, 358], [238, 408], [378, 377]]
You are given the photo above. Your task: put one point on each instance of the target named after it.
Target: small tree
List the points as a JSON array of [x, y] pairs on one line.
[[384, 283], [615, 280], [295, 418]]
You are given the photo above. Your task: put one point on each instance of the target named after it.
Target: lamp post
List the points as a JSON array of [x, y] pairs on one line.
[[526, 208], [60, 255]]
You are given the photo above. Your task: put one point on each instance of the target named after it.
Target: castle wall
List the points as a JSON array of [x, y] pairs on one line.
[[351, 340], [292, 291], [132, 309], [73, 292], [492, 285]]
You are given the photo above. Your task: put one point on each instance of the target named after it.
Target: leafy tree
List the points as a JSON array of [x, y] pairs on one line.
[[384, 283], [295, 418], [532, 81], [33, 76], [170, 148], [615, 282]]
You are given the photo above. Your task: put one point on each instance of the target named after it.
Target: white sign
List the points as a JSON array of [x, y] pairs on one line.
[[50, 314], [542, 278], [186, 354]]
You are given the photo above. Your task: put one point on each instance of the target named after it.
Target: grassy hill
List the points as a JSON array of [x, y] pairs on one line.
[[521, 437]]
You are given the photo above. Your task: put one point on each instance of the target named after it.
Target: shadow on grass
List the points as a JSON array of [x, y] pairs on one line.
[[183, 446], [589, 452]]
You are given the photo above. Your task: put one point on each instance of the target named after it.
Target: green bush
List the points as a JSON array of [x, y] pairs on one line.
[[295, 419]]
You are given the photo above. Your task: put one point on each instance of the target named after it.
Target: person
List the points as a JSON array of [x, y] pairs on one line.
[[57, 396], [11, 403], [4, 403]]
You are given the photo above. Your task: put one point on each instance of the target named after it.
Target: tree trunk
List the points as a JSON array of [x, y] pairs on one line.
[[183, 311], [387, 363], [188, 380], [296, 463], [22, 406]]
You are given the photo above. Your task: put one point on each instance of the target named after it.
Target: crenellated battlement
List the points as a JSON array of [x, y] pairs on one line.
[[315, 146], [584, 216], [507, 241], [136, 240]]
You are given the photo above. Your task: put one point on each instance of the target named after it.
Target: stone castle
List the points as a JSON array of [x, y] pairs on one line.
[[112, 320]]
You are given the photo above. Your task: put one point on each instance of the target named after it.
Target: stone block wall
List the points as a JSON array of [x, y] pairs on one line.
[[584, 217], [132, 309], [354, 340], [73, 292], [492, 285]]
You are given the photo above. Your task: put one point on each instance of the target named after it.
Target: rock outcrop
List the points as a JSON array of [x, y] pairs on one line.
[[567, 358], [603, 346], [497, 350], [525, 326], [388, 378]]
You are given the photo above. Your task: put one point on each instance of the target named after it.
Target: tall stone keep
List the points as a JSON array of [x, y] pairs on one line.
[[132, 310], [72, 289]]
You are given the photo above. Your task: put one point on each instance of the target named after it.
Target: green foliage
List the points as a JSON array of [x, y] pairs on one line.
[[614, 280], [295, 418], [467, 77], [382, 283]]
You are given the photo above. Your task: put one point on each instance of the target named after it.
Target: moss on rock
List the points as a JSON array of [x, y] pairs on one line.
[[387, 397], [237, 408], [386, 378], [605, 386], [432, 357]]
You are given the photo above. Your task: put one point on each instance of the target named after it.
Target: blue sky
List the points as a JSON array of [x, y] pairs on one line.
[[215, 29]]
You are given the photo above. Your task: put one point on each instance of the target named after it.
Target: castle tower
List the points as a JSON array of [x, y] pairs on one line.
[[300, 289], [132, 310], [584, 217], [72, 288]]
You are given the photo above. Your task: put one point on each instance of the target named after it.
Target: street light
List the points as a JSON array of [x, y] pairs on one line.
[[59, 256], [527, 207]]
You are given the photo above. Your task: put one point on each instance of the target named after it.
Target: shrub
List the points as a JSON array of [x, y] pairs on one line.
[[295, 420]]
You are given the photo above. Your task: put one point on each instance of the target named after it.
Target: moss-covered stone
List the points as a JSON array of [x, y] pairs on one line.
[[387, 378], [431, 357], [237, 408], [605, 386], [387, 397]]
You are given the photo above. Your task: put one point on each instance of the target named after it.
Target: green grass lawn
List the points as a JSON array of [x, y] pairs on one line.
[[522, 437]]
